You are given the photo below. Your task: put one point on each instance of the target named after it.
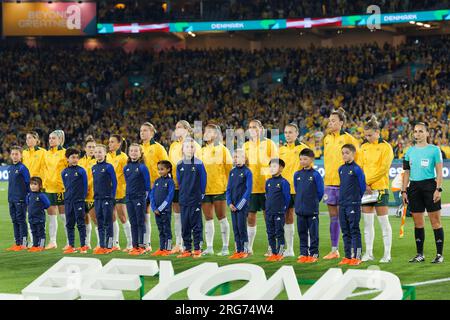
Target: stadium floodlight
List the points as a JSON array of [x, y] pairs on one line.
[[426, 25], [412, 22], [419, 23]]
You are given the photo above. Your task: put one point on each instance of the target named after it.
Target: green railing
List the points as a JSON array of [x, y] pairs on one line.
[[409, 292]]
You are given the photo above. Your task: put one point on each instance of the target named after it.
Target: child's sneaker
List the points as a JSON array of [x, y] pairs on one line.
[[278, 257], [355, 262], [70, 250], [312, 259], [83, 250], [302, 259], [243, 255], [148, 248], [136, 251], [184, 254], [271, 258], [197, 254], [157, 253], [236, 255], [12, 248], [165, 253], [344, 261], [34, 249], [115, 248], [99, 250], [127, 249], [20, 248]]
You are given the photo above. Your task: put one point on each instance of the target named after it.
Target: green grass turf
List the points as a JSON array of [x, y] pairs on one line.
[[18, 269]]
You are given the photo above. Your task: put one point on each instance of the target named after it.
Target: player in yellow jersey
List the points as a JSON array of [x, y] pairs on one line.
[[335, 138], [290, 154], [218, 164], [87, 162], [182, 130], [153, 153], [375, 159], [55, 163], [119, 160], [259, 150], [33, 157]]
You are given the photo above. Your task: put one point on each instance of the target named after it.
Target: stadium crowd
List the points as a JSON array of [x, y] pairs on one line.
[[45, 88], [140, 10]]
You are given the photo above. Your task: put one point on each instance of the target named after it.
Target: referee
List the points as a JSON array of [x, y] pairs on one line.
[[423, 172]]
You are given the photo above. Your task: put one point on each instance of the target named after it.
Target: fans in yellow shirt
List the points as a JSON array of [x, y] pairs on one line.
[[182, 130], [376, 156], [34, 156], [153, 153], [119, 160], [259, 151], [87, 162], [290, 154], [55, 162], [333, 142], [218, 164]]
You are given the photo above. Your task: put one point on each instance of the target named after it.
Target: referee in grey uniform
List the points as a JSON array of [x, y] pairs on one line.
[[423, 172]]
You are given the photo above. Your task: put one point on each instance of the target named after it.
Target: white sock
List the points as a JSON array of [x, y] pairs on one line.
[[209, 233], [88, 234], [29, 233], [116, 234], [63, 218], [289, 236], [387, 234], [251, 237], [52, 228], [225, 231], [98, 237], [148, 230], [127, 230], [369, 232], [178, 237]]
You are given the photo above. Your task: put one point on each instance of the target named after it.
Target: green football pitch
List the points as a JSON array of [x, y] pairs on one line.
[[18, 269]]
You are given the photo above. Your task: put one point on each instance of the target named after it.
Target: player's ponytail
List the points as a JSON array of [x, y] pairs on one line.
[[89, 139], [372, 124]]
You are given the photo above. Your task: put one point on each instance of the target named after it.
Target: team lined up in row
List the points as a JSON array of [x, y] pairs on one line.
[[374, 157]]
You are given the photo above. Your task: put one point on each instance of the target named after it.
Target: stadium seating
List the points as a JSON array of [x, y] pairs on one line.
[[77, 90]]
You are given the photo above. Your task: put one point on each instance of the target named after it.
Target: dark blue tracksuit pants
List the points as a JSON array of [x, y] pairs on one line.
[[136, 213], [38, 232], [349, 217], [75, 213], [239, 221], [191, 226], [163, 221], [104, 212], [18, 212], [308, 226], [275, 232]]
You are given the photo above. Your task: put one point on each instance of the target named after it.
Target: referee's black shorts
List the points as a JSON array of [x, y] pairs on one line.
[[420, 196]]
